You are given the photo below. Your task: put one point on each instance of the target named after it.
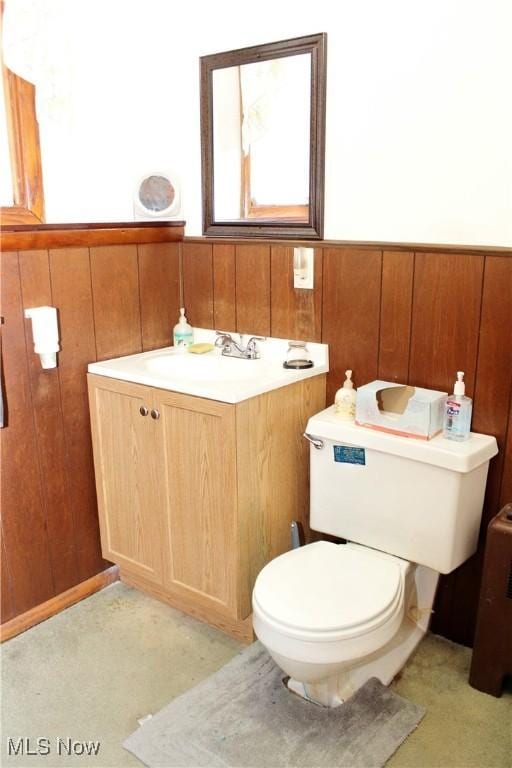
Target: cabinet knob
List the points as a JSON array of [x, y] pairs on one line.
[[155, 414], [143, 410]]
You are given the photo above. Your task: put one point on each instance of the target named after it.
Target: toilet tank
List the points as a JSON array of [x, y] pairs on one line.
[[417, 499]]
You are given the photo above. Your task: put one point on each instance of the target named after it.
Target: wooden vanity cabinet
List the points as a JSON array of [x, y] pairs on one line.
[[195, 495]]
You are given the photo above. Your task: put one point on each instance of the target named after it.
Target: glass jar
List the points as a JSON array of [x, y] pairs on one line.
[[297, 356]]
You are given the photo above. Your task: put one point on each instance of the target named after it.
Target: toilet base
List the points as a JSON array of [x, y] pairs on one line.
[[325, 694], [384, 664]]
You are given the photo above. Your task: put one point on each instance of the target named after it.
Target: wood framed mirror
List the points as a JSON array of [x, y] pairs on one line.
[[263, 140], [20, 128], [25, 153]]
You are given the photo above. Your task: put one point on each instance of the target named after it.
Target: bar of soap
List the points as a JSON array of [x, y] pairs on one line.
[[200, 349]]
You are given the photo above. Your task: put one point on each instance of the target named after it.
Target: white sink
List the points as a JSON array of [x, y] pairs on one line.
[[213, 375], [211, 365]]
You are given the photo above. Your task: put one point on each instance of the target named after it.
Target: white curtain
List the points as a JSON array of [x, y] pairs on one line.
[[36, 46], [259, 85]]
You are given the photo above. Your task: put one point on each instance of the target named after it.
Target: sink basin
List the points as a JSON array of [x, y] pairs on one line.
[[211, 365], [213, 375]]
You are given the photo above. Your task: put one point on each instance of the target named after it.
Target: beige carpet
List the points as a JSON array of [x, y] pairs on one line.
[[91, 672]]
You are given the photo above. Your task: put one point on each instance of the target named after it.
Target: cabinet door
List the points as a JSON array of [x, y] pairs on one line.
[[200, 494], [127, 459]]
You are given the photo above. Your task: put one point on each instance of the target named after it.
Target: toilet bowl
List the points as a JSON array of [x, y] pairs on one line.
[[333, 615]]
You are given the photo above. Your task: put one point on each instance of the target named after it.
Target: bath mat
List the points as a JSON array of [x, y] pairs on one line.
[[244, 717]]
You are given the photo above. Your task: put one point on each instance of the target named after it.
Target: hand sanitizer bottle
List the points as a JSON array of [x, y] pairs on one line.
[[183, 335], [345, 400], [457, 412]]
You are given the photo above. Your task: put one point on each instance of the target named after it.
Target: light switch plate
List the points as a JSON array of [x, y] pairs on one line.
[[303, 267]]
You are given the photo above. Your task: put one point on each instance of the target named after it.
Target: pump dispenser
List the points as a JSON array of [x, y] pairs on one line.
[[183, 336], [345, 399], [457, 412]]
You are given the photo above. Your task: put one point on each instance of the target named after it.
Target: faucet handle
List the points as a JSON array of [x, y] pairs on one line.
[[222, 338], [251, 344]]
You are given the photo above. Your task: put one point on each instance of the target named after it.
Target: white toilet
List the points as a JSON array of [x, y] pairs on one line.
[[334, 615]]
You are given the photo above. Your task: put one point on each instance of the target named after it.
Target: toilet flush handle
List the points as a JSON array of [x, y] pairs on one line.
[[315, 441]]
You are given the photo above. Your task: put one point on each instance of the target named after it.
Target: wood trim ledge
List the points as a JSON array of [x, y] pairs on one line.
[[26, 237], [490, 250], [58, 603]]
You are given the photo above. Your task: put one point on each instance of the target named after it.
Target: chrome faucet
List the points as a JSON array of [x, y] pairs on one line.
[[232, 348]]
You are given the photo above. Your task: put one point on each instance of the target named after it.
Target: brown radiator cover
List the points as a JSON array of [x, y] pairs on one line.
[[492, 652]]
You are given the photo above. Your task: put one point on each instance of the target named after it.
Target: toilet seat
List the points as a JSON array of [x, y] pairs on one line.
[[328, 592]]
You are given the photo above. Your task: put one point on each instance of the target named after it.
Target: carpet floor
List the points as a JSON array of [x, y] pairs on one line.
[[91, 672]]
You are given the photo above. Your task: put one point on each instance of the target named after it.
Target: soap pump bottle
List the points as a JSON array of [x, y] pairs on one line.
[[457, 412], [345, 400], [183, 335]]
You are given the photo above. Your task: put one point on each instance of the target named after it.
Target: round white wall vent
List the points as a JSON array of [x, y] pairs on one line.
[[157, 196]]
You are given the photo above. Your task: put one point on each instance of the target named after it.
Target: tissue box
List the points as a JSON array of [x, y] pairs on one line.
[[400, 409]]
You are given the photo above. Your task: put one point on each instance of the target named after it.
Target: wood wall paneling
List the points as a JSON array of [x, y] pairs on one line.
[[72, 294], [50, 539], [24, 528], [494, 369], [49, 427], [447, 313], [351, 314], [7, 609], [224, 291], [395, 316], [490, 416], [296, 313], [115, 288], [159, 293], [445, 319], [6, 601], [506, 484], [444, 339], [253, 289], [198, 284]]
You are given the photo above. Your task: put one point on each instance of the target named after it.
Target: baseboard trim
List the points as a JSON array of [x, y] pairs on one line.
[[58, 603]]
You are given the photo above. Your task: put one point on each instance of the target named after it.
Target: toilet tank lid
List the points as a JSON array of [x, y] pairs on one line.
[[463, 456]]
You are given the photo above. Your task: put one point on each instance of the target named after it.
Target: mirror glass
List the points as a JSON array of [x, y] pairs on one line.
[[262, 114], [261, 122]]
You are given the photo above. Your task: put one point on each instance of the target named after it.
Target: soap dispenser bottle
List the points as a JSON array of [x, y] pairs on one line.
[[457, 412], [183, 335], [345, 400]]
